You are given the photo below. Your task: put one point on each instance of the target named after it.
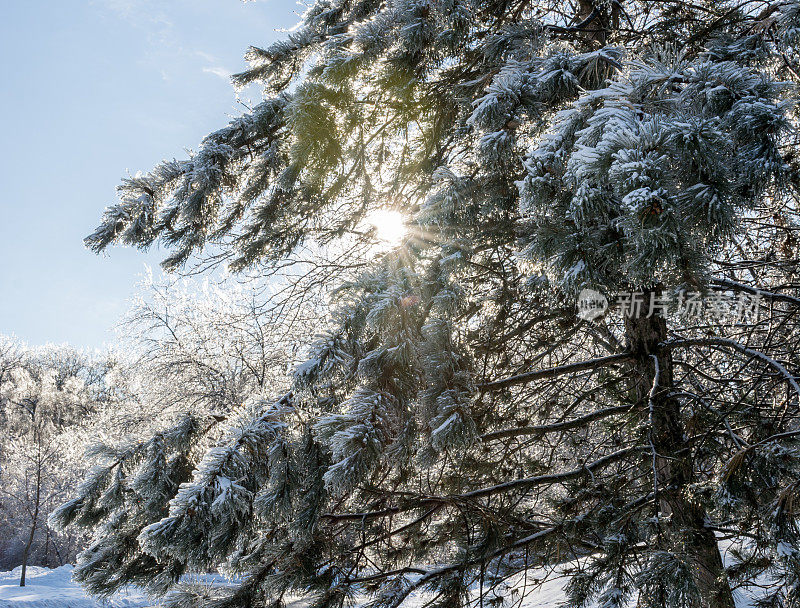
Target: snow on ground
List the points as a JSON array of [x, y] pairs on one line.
[[46, 588]]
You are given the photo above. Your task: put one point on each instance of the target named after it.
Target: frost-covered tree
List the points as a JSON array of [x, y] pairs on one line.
[[456, 424], [210, 346], [51, 399], [202, 353], [32, 483]]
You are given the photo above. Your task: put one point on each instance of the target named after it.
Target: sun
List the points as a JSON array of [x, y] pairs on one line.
[[390, 226]]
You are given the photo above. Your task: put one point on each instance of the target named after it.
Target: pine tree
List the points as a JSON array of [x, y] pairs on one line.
[[456, 424]]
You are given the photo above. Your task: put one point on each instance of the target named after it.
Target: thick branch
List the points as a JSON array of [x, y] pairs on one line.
[[539, 480], [556, 426], [553, 372]]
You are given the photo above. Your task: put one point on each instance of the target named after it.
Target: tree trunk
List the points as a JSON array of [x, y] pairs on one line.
[[685, 533], [35, 518], [591, 19], [28, 546]]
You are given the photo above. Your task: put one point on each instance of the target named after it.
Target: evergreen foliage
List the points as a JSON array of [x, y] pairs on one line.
[[455, 423]]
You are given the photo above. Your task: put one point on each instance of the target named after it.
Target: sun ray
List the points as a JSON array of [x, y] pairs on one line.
[[390, 226]]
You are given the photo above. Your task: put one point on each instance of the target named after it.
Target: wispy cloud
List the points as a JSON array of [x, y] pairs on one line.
[[166, 49], [218, 71], [139, 13], [207, 56]]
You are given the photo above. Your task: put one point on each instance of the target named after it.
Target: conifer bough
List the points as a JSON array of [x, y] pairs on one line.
[[457, 425]]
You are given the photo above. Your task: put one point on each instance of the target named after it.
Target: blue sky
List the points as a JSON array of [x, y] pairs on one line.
[[91, 90]]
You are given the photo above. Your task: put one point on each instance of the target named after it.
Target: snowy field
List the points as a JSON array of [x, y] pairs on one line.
[[48, 588]]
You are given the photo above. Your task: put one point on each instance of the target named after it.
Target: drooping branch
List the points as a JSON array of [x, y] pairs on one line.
[[530, 482], [557, 426], [553, 372]]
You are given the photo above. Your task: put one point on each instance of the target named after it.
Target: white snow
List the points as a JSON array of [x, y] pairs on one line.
[[53, 588], [48, 588]]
